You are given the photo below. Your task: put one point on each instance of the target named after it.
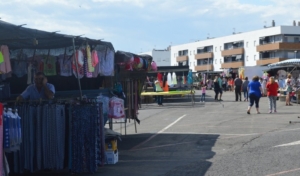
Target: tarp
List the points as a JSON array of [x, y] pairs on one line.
[[18, 37], [123, 56], [288, 62]]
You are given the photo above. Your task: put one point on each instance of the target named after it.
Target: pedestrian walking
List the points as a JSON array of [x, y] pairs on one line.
[[238, 88], [289, 90], [220, 85], [245, 89], [272, 88], [255, 92], [217, 88]]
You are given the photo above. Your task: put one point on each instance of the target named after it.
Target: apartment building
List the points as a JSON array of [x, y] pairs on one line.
[[254, 48], [161, 57]]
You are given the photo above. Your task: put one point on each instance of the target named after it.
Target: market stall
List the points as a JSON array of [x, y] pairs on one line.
[[53, 134], [131, 72], [282, 68]]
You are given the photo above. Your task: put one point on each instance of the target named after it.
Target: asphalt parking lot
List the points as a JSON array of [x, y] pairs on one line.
[[211, 138]]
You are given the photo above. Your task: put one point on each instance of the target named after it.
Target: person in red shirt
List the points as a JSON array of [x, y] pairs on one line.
[[272, 88]]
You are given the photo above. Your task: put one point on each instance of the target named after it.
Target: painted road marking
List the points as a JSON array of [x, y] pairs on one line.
[[289, 144], [161, 131], [284, 172], [225, 134]]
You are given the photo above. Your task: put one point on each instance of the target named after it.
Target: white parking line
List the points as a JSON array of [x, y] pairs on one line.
[[283, 172], [289, 144], [161, 131], [225, 134]]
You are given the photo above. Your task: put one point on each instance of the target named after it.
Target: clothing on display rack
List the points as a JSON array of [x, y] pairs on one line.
[[20, 67], [12, 131], [116, 108], [174, 78], [5, 66], [107, 62], [50, 66], [105, 106], [65, 63], [89, 60], [86, 138], [79, 58]]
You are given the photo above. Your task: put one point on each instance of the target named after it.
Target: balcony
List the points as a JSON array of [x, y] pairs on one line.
[[235, 51], [182, 58], [204, 67], [204, 55], [278, 46], [232, 64], [266, 61]]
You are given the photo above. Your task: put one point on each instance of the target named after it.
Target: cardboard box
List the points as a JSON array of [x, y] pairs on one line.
[[111, 145], [111, 157]]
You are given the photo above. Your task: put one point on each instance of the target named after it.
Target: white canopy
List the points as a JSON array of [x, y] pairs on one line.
[[288, 62]]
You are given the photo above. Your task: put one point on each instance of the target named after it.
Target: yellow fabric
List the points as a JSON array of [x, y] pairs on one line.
[[1, 57]]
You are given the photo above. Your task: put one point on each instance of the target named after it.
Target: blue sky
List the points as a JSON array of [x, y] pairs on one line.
[[141, 25]]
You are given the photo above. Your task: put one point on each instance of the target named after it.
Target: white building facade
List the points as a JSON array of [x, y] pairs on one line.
[[161, 57], [259, 47]]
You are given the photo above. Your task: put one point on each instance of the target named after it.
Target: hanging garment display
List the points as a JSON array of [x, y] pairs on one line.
[[79, 58], [190, 77], [1, 58], [95, 62], [12, 136], [87, 142], [50, 66], [174, 78], [105, 106], [89, 59], [65, 63], [170, 82], [86, 69], [153, 66], [116, 108], [20, 67], [107, 63], [1, 137], [5, 67], [32, 68]]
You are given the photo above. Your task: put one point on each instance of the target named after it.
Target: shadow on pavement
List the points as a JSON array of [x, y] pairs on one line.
[[164, 154]]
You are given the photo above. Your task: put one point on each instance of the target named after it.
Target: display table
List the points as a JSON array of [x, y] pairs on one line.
[[171, 93]]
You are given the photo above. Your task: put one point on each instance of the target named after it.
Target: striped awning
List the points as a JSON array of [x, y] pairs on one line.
[[288, 62]]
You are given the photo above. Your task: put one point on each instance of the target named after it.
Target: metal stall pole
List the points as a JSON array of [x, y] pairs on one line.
[[76, 63]]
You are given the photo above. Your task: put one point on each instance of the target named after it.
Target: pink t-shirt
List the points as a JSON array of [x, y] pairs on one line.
[[203, 89]]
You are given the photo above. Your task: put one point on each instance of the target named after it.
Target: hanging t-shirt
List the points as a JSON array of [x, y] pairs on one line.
[[50, 66], [89, 59], [87, 73], [65, 64], [107, 63], [5, 67], [80, 61], [19, 68]]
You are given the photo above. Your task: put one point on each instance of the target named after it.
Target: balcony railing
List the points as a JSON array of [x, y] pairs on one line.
[[204, 67], [266, 61], [182, 58], [235, 51], [232, 64], [204, 55], [278, 46]]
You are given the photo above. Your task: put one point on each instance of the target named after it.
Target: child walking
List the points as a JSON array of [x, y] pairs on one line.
[[202, 99]]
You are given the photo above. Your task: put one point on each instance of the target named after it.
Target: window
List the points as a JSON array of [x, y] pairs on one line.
[[254, 43], [254, 57]]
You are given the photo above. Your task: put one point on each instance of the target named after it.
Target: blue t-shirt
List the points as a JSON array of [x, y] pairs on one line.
[[32, 93], [254, 88]]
